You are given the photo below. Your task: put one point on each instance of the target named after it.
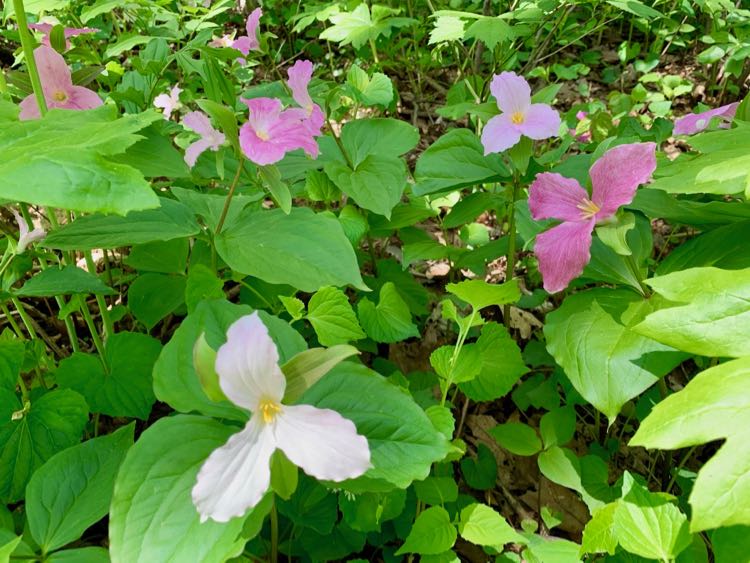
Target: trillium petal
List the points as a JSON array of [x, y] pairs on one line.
[[198, 122], [300, 75], [29, 108], [511, 91], [243, 44], [617, 174], [322, 442], [563, 252], [247, 364], [257, 150], [195, 150], [82, 98], [53, 72], [540, 122], [697, 122], [552, 196], [251, 26], [499, 134], [235, 476]]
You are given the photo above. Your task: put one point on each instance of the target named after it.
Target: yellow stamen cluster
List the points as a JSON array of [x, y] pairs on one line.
[[588, 208], [262, 135], [268, 410], [60, 96], [518, 117]]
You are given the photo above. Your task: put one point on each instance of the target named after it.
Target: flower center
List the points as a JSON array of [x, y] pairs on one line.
[[588, 208], [518, 117], [269, 409], [59, 96], [262, 135]]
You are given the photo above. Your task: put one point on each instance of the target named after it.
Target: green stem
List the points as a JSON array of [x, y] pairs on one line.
[[374, 51], [24, 317], [340, 145], [679, 467], [511, 256], [230, 195], [274, 533], [109, 328], [27, 41], [94, 332], [454, 357], [11, 321]]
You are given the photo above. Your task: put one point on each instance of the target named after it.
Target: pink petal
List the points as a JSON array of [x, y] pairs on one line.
[[512, 92], [198, 122], [322, 442], [299, 77], [264, 112], [617, 174], [552, 196], [195, 150], [29, 108], [563, 252], [242, 44], [53, 72], [247, 364], [257, 150], [696, 122], [500, 134], [540, 122], [253, 21], [235, 476], [82, 98]]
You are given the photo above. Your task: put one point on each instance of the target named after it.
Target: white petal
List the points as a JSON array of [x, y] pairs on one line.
[[248, 364], [322, 442], [235, 476]]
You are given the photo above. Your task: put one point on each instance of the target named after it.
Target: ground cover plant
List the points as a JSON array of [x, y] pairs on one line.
[[443, 281]]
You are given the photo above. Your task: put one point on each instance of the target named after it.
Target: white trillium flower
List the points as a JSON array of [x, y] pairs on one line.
[[26, 237], [323, 443]]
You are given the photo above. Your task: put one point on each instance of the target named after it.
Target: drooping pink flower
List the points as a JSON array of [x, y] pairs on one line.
[[168, 102], [223, 41], [300, 75], [69, 32], [270, 132], [563, 251], [249, 42], [57, 86], [25, 236], [696, 122], [519, 117], [210, 137]]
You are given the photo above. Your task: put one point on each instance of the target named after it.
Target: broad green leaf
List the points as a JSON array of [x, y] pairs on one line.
[[312, 506], [481, 472], [279, 190], [490, 31], [599, 535], [456, 160], [466, 367], [151, 297], [714, 405], [155, 156], [636, 7], [378, 136], [73, 489], [480, 294], [432, 533], [481, 525], [124, 387], [561, 466], [722, 248], [170, 221], [436, 490], [517, 438], [447, 28], [80, 555], [202, 283], [403, 442], [374, 90], [8, 547], [390, 320], [152, 516], [53, 422], [332, 317], [558, 426], [164, 257], [607, 362], [547, 549], [376, 184], [648, 525], [731, 545], [614, 234], [710, 313], [659, 204], [63, 281], [366, 512], [302, 249], [63, 161], [284, 475], [11, 360], [307, 367]]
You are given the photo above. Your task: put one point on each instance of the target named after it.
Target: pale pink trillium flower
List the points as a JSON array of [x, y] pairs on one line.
[[519, 117], [696, 122], [221, 42], [57, 86], [168, 102], [564, 250], [323, 443], [312, 115], [270, 132], [246, 43], [210, 137], [26, 237], [69, 32]]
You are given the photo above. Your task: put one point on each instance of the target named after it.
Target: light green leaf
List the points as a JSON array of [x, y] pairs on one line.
[[722, 247], [480, 294], [164, 257], [561, 466], [354, 27], [613, 234], [11, 360], [307, 367], [636, 7], [80, 555], [378, 136], [467, 366], [302, 249], [72, 490], [375, 90], [490, 31], [558, 426], [713, 318], [447, 28], [599, 535], [432, 533], [202, 284], [517, 438], [151, 297], [390, 320], [277, 187], [332, 317], [63, 281], [481, 525]]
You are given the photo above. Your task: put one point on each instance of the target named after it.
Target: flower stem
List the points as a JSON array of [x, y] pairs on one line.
[[374, 52], [230, 195], [24, 317], [94, 332], [511, 256], [454, 357], [109, 328], [27, 41], [274, 533]]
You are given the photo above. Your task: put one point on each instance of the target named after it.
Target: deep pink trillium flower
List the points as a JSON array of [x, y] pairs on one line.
[[519, 117], [210, 137], [696, 122], [299, 78], [168, 102], [563, 251], [270, 132], [249, 42], [57, 85], [69, 32]]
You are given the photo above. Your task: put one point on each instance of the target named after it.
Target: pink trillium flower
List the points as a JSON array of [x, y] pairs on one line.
[[584, 137], [57, 86], [221, 42], [270, 132], [696, 122], [210, 137], [519, 117], [168, 102], [563, 251], [69, 32], [26, 237], [299, 78], [249, 42], [323, 443]]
